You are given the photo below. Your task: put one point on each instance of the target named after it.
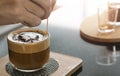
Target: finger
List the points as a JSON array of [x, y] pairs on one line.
[[30, 19], [34, 9], [53, 2], [45, 4], [26, 24]]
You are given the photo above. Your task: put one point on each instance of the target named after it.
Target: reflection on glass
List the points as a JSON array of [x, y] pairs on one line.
[[107, 60]]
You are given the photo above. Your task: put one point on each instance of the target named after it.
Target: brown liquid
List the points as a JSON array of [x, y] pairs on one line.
[[112, 11], [29, 61], [106, 27], [29, 56]]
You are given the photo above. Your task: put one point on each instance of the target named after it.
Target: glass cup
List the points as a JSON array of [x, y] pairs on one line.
[[26, 54], [103, 20], [115, 7]]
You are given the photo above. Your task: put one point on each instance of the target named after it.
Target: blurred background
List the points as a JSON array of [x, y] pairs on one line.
[[78, 9]]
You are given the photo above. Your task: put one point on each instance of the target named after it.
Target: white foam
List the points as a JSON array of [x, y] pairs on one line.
[[27, 36]]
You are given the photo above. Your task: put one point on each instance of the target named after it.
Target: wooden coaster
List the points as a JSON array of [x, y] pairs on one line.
[[89, 30], [67, 64], [49, 68]]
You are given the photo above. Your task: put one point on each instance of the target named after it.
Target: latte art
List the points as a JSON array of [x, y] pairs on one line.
[[28, 37]]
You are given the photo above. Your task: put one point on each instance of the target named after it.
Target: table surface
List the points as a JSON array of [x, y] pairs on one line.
[[64, 28]]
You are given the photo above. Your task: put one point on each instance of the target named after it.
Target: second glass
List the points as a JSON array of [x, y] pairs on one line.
[[104, 15], [115, 6]]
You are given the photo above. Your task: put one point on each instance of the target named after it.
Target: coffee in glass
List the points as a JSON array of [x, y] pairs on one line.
[[28, 49]]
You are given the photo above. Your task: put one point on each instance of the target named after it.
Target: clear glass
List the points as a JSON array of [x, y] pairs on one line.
[[103, 20], [115, 6], [29, 57]]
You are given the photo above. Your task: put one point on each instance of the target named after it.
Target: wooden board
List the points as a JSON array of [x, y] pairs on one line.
[[89, 30], [67, 64]]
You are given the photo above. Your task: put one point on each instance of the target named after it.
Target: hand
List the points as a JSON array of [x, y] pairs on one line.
[[29, 12]]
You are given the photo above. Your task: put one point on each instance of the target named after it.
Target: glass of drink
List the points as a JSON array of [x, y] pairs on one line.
[[115, 7], [104, 18], [29, 49]]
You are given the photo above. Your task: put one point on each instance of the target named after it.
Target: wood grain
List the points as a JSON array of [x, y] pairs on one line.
[[89, 30], [67, 64]]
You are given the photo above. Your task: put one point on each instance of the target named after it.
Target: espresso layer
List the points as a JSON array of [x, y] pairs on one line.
[[29, 61]]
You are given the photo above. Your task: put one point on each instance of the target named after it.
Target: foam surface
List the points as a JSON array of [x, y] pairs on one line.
[[27, 37]]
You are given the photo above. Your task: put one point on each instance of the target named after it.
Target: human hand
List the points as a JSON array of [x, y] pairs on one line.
[[29, 12]]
